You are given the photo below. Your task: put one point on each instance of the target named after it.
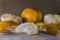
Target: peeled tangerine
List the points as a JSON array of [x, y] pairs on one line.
[[50, 18], [4, 25], [31, 15], [9, 17], [29, 28]]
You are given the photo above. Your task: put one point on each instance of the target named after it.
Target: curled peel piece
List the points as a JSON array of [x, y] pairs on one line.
[[50, 18], [9, 17], [29, 28], [5, 17]]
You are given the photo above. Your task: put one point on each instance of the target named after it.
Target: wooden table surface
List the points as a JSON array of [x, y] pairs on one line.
[[41, 36]]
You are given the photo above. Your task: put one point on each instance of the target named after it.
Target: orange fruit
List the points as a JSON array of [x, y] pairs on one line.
[[31, 15], [4, 25]]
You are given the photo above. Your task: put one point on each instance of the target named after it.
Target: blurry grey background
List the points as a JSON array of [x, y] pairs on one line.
[[16, 6]]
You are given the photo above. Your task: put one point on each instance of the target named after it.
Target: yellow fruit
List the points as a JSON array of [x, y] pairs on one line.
[[52, 29], [31, 15], [4, 25], [40, 24]]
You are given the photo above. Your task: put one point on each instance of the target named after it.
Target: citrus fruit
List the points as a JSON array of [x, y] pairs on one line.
[[52, 29], [40, 24], [4, 25], [31, 15]]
